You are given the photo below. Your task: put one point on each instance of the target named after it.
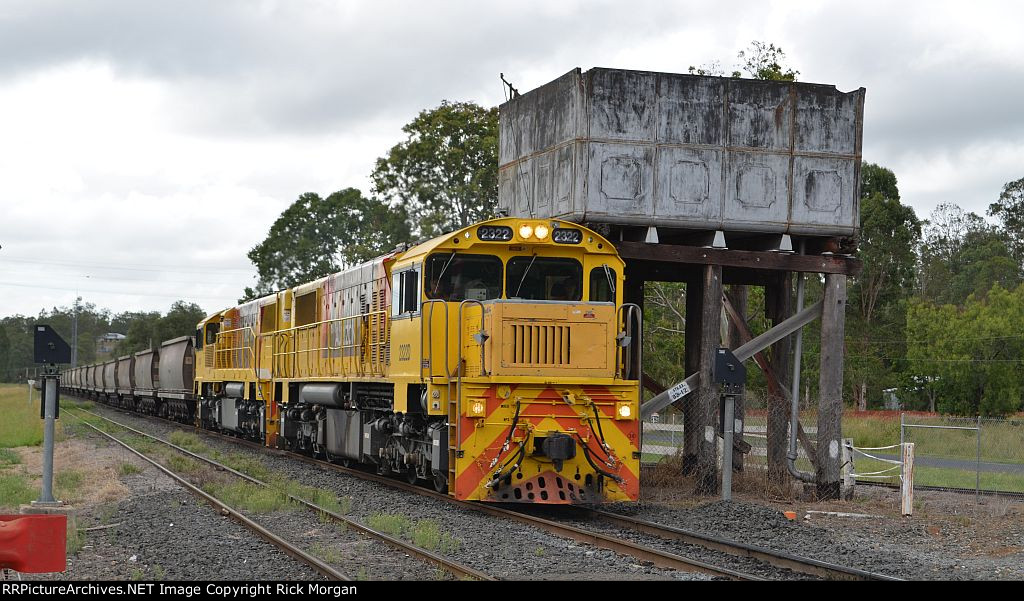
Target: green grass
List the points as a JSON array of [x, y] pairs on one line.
[[142, 444], [75, 537], [331, 556], [425, 534], [20, 426], [188, 441], [127, 469], [395, 524], [182, 464], [250, 497], [250, 466], [15, 490], [954, 478], [9, 457]]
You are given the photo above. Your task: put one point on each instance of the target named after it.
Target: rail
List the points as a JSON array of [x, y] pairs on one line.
[[454, 568], [656, 557]]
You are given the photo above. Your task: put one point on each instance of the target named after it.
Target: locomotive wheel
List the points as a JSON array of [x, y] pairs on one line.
[[410, 475], [440, 483]]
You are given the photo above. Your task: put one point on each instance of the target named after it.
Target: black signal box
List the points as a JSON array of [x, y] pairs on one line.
[[50, 348], [729, 372]]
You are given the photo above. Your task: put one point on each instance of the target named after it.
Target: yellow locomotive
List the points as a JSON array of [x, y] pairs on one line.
[[497, 361]]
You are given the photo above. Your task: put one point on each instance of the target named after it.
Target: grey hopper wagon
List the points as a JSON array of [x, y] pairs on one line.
[[637, 148], [177, 368], [125, 375], [147, 375], [109, 377]]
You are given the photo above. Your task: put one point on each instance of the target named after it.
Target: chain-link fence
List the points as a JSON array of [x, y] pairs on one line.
[[664, 443], [960, 453], [966, 453]]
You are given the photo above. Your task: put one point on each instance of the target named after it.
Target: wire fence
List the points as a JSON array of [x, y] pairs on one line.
[[963, 453]]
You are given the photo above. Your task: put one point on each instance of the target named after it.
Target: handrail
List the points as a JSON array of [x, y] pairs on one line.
[[458, 367], [367, 351], [218, 351], [628, 310], [430, 337]]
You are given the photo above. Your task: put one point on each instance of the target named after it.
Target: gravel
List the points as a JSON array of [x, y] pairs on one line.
[[503, 549], [164, 532], [899, 547]]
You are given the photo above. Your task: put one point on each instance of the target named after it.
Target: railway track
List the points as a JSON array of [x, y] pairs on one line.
[[655, 556], [451, 567], [801, 565]]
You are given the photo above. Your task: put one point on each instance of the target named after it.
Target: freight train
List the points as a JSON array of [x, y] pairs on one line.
[[498, 362]]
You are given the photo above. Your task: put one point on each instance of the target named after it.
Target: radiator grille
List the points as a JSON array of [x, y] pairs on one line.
[[540, 345]]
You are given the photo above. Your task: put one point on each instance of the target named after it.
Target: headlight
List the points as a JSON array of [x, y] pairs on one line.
[[623, 411], [477, 408], [541, 231], [525, 231]]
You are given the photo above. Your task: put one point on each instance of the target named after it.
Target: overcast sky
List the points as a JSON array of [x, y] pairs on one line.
[[145, 147]]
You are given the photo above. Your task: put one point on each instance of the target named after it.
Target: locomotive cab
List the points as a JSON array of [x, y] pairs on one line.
[[520, 343]]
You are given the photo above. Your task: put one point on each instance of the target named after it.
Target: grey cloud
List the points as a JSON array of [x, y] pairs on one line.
[[238, 69]]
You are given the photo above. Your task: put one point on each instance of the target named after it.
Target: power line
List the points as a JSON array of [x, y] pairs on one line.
[[130, 266], [150, 279], [121, 292]]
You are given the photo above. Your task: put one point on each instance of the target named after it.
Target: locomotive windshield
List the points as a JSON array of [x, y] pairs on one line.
[[458, 277], [544, 278]]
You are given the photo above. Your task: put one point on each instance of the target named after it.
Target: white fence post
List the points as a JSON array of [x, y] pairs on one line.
[[907, 480], [849, 481]]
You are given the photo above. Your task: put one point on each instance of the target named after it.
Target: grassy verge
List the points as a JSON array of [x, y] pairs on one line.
[[16, 490], [426, 534], [20, 426]]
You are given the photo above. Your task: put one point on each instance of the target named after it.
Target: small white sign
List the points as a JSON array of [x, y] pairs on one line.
[[709, 433], [678, 391]]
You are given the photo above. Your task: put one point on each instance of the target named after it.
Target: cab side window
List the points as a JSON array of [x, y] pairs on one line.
[[211, 332], [602, 284], [405, 292]]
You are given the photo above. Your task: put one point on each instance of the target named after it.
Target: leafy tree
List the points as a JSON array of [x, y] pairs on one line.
[[875, 179], [446, 171], [962, 254], [317, 236], [1009, 210], [759, 61], [890, 233], [765, 61], [967, 359]]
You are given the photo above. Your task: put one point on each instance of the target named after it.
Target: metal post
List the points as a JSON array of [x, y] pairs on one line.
[[31, 383], [50, 412], [901, 429], [977, 473], [730, 401]]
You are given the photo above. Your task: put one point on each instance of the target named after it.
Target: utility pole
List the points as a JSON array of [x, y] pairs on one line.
[[74, 333]]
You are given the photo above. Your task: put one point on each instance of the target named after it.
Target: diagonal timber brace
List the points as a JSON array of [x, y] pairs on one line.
[[775, 386], [742, 353]]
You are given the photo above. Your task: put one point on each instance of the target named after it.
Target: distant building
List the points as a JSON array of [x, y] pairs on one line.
[[106, 344], [891, 400]]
